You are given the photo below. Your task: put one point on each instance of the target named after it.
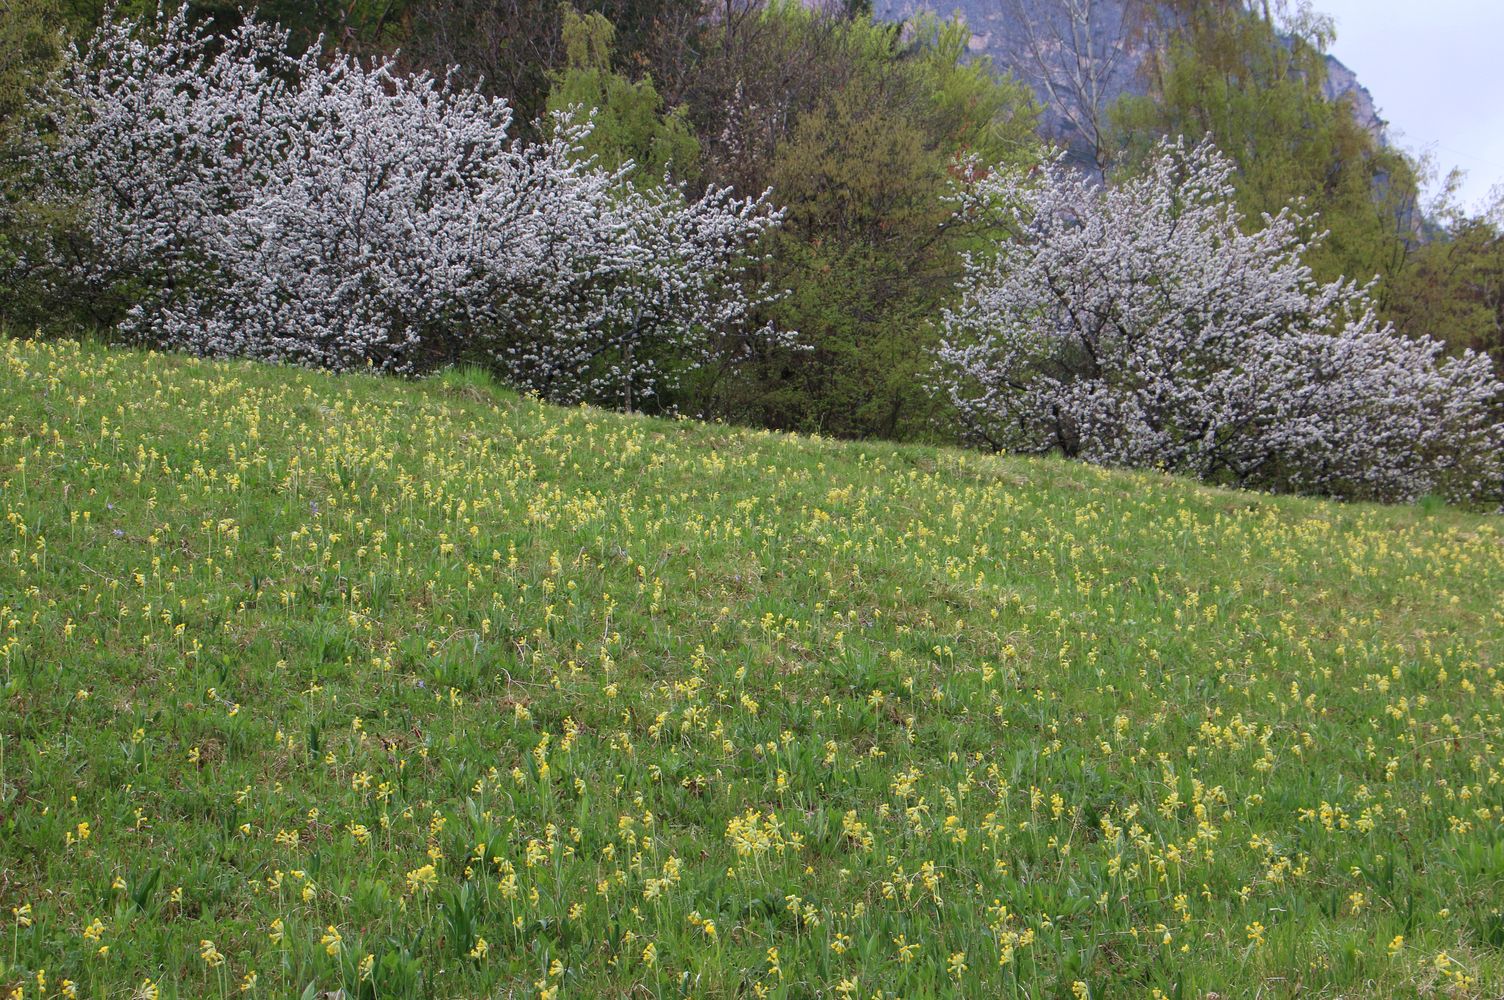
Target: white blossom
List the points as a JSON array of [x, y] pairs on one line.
[[1138, 325], [324, 211]]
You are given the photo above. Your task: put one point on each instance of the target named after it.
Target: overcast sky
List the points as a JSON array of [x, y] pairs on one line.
[[1436, 71]]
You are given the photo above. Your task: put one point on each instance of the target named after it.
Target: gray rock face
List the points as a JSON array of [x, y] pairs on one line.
[[1091, 58], [1343, 82]]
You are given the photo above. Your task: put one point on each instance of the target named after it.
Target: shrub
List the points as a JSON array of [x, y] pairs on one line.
[[1139, 325], [319, 210]]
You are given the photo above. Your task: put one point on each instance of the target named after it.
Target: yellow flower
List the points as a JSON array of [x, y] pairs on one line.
[[210, 954], [332, 941], [275, 931], [422, 878], [480, 949]]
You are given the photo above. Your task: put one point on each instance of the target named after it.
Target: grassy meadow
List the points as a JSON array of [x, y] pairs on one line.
[[348, 687]]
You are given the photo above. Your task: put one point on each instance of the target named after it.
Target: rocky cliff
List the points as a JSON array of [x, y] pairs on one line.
[[1081, 52]]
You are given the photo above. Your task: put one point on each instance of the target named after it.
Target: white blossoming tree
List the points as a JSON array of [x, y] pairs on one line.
[[324, 211], [1139, 325]]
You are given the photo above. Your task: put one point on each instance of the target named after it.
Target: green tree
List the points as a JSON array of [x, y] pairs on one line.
[[1254, 82], [870, 249], [514, 48], [628, 118], [1452, 285], [31, 45], [31, 42]]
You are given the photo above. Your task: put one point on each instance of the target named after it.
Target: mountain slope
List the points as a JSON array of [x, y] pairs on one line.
[[420, 689]]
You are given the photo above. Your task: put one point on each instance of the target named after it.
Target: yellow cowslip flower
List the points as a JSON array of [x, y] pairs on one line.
[[275, 931], [248, 982], [650, 955], [1396, 944], [210, 954], [422, 878], [366, 965], [21, 915], [148, 990], [479, 951], [332, 941]]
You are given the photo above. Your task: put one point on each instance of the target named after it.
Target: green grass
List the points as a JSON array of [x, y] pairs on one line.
[[662, 708]]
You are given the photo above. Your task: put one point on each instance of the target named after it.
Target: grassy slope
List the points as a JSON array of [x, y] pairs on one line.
[[671, 707]]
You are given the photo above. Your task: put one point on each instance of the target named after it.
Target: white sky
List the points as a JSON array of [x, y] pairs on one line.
[[1436, 71]]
